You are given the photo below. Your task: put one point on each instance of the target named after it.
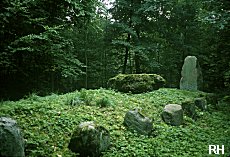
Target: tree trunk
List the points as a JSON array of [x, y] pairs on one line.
[[126, 55], [137, 54], [137, 63], [86, 70], [126, 60]]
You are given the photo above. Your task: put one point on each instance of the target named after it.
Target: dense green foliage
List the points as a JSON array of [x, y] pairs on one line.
[[157, 35], [60, 46], [48, 122], [36, 52], [136, 83]]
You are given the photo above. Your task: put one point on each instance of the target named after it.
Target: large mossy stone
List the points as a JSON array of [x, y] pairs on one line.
[[136, 83], [172, 114], [135, 121], [89, 139], [191, 75], [11, 140]]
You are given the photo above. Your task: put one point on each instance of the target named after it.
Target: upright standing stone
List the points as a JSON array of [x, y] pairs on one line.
[[11, 141], [191, 75]]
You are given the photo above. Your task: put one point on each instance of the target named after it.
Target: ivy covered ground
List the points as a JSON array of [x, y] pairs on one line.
[[47, 123]]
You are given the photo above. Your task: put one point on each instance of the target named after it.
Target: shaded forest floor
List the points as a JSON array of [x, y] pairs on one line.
[[47, 123]]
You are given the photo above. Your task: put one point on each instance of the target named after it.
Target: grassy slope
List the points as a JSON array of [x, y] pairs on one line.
[[47, 124]]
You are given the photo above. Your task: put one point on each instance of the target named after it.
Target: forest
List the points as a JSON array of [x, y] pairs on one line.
[[62, 63], [60, 46]]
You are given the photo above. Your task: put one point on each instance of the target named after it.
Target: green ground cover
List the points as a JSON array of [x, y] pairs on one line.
[[47, 123]]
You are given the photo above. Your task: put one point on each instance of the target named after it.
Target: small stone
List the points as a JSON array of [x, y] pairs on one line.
[[211, 98], [201, 103], [173, 114], [136, 121], [189, 108]]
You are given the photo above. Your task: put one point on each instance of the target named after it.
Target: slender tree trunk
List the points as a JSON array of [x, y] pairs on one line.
[[137, 63], [128, 40], [137, 55], [126, 55], [130, 63], [52, 81], [86, 70], [126, 60], [158, 54], [101, 69], [105, 68], [86, 58]]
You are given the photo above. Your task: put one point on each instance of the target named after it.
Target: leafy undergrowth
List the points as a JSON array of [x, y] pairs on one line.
[[47, 123]]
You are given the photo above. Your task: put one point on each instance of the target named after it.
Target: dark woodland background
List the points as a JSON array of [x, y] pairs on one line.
[[63, 45]]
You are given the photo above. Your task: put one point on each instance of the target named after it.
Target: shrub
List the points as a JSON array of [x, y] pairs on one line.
[[136, 83], [104, 102]]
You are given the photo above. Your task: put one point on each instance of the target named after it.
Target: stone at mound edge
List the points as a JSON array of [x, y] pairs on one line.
[[189, 108], [11, 140], [136, 121], [89, 139], [173, 114], [136, 83], [201, 103]]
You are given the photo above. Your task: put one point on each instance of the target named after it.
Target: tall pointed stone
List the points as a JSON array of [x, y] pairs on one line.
[[191, 75]]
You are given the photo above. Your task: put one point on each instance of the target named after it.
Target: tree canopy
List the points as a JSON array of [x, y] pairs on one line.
[[60, 46]]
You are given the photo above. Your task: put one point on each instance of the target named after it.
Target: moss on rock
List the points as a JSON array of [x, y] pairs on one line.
[[136, 83], [89, 139]]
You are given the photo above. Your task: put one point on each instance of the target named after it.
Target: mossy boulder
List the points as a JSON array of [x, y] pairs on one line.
[[89, 139], [11, 140], [134, 120], [136, 83]]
